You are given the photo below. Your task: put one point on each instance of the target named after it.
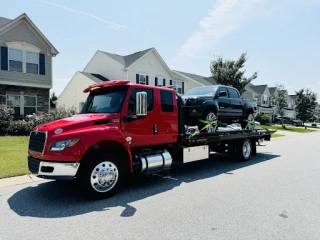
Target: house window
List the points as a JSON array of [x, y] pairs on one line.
[[13, 101], [32, 62], [265, 99], [142, 79], [177, 86], [160, 81], [30, 105], [15, 60]]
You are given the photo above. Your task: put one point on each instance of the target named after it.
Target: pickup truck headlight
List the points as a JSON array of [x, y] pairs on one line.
[[61, 145]]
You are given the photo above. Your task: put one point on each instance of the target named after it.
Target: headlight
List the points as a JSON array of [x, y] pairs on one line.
[[61, 145]]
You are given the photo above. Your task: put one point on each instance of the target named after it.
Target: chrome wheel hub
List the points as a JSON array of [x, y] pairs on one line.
[[104, 176], [251, 124], [246, 149], [212, 127]]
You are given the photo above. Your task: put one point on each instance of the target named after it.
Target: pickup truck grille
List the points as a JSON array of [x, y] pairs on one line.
[[33, 165], [37, 141]]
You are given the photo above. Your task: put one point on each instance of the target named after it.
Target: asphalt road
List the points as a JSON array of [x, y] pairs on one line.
[[275, 195]]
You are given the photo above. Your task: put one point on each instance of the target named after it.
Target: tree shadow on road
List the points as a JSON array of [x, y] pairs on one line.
[[59, 199]]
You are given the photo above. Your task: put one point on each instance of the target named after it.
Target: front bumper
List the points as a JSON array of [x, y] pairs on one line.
[[52, 170]]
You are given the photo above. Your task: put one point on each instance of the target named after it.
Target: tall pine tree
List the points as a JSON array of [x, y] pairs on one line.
[[306, 103]]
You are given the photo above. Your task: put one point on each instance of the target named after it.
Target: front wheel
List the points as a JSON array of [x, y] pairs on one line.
[[248, 122], [101, 176], [210, 117]]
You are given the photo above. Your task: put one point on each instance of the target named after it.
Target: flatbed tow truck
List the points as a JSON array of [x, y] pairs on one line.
[[126, 128]]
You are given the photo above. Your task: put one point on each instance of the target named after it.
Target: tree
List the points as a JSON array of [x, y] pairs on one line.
[[53, 96], [306, 103], [280, 100], [228, 72], [317, 112]]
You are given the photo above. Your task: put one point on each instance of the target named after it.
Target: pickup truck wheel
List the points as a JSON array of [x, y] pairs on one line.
[[210, 116], [243, 150], [102, 175], [246, 125]]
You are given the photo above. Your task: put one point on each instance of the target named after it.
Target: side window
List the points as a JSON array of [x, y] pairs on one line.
[[222, 89], [166, 101], [132, 100], [233, 93]]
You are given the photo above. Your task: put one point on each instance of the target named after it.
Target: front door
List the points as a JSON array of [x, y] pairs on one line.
[[140, 130], [223, 103]]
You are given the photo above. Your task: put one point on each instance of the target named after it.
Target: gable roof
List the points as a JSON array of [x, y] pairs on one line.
[[293, 96], [272, 90], [24, 17], [4, 21], [198, 78], [259, 88], [128, 60], [95, 77]]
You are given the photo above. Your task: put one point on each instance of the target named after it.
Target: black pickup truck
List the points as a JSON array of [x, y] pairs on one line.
[[217, 102]]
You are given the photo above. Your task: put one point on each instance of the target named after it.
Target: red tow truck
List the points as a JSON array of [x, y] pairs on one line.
[[126, 128]]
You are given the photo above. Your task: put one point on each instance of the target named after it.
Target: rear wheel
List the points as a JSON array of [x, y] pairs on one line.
[[243, 150], [101, 175]]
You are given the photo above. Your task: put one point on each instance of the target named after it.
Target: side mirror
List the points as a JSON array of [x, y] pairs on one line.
[[141, 104], [222, 94]]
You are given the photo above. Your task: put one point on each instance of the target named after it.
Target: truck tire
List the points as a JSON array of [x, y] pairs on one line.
[[209, 115], [248, 117], [243, 150], [101, 175]]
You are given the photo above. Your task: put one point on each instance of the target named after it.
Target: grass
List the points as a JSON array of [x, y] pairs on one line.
[[13, 154], [277, 135], [289, 129]]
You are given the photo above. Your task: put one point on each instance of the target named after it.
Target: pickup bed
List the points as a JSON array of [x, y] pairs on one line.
[[217, 102]]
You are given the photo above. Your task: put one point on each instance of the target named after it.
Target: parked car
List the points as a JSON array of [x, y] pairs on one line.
[[217, 102], [288, 120]]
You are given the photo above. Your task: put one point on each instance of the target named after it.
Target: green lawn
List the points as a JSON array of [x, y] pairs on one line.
[[13, 154], [276, 135], [289, 128]]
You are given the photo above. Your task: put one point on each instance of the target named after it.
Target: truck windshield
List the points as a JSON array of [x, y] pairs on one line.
[[202, 91], [105, 100]]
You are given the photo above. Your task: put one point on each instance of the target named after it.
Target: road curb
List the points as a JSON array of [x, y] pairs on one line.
[[11, 181]]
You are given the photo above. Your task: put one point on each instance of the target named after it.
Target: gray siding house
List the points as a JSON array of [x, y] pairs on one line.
[[25, 66]]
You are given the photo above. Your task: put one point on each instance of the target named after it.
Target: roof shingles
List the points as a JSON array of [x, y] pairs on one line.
[[4, 21]]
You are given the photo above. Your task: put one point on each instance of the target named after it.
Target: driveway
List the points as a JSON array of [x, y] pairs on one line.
[[275, 195]]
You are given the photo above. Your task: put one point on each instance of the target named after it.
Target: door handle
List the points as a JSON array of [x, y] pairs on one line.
[[155, 129]]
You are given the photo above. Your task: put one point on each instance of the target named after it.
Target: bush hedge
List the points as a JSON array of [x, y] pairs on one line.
[[23, 127], [263, 118]]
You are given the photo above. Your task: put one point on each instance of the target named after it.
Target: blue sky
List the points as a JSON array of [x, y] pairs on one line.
[[281, 37]]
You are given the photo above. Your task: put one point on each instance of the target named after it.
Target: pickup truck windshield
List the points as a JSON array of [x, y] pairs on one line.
[[105, 100], [202, 91]]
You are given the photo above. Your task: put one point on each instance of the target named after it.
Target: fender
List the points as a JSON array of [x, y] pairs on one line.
[[208, 103], [88, 137]]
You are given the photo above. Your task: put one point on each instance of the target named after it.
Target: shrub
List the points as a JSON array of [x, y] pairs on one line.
[[263, 118], [19, 128], [5, 117]]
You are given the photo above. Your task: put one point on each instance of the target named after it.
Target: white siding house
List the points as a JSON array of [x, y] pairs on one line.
[[143, 67]]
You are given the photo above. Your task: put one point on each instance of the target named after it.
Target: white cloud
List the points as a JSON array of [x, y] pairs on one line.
[[222, 19], [109, 23]]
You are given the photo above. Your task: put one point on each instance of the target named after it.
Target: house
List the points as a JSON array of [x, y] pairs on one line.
[[143, 67], [26, 66], [262, 96]]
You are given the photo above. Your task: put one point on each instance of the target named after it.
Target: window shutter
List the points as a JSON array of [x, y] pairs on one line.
[[182, 87], [137, 78], [4, 58], [156, 81], [147, 80], [164, 82], [170, 82], [42, 68]]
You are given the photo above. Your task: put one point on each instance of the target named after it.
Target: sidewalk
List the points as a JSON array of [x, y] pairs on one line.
[[5, 182]]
